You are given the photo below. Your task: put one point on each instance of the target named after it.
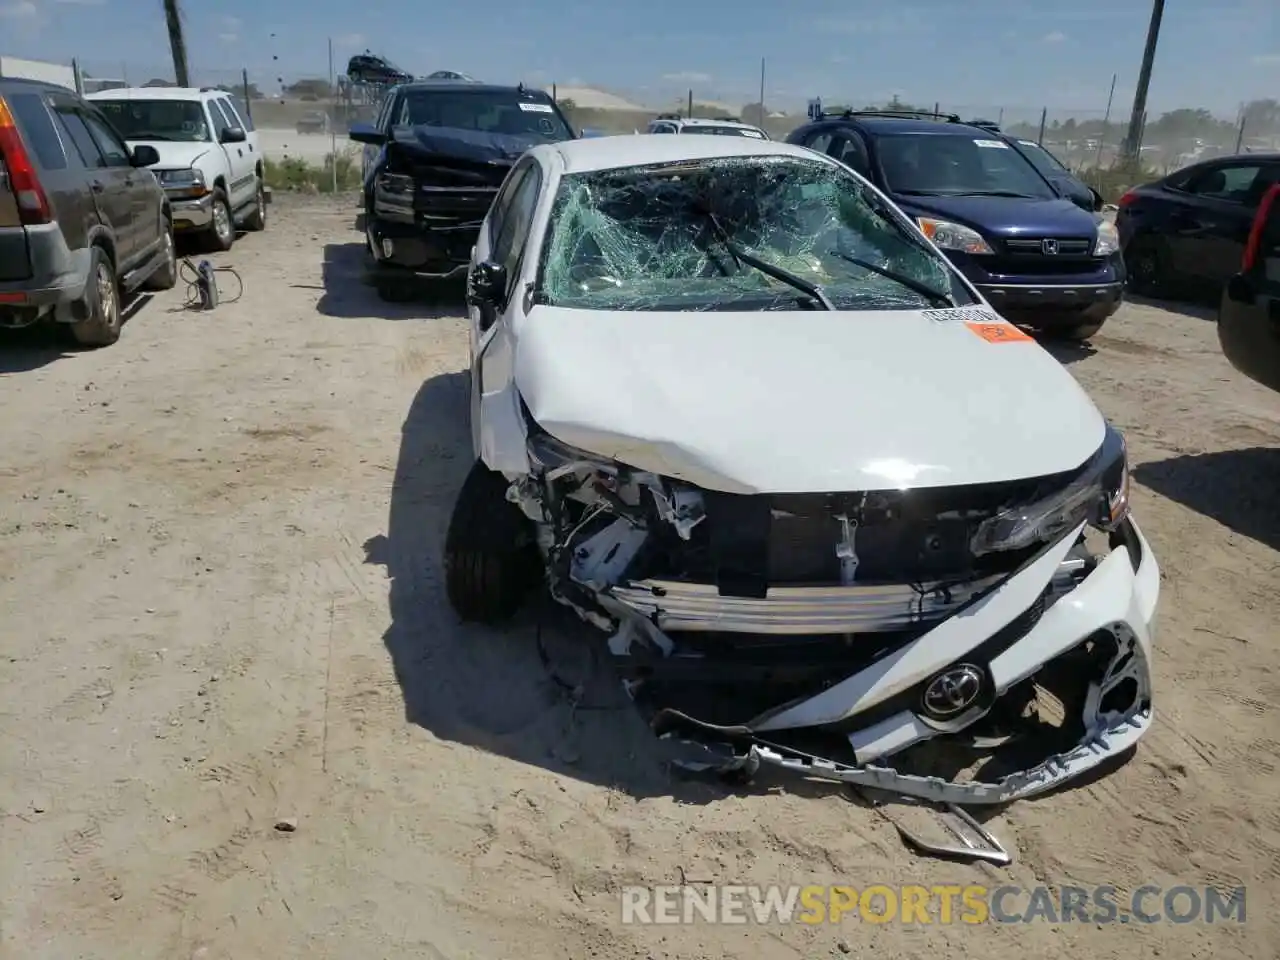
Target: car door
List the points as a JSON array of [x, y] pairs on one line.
[[496, 431], [239, 189], [110, 183], [1211, 222], [144, 198], [245, 158], [1249, 315]]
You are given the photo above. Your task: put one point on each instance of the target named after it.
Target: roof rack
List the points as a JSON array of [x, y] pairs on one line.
[[897, 114], [669, 116]]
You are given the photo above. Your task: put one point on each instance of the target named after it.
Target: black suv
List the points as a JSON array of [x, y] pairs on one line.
[[434, 160], [82, 221], [1037, 257]]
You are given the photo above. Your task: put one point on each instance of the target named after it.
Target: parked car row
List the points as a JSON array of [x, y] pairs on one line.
[[92, 190]]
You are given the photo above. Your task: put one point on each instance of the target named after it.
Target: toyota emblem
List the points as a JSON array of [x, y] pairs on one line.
[[953, 691]]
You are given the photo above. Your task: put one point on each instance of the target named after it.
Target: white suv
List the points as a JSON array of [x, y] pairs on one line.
[[211, 163], [674, 123]]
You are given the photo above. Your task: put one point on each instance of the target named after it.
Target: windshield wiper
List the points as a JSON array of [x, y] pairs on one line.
[[768, 269], [997, 193], [937, 297]]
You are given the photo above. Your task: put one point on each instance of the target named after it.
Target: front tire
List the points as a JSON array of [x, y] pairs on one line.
[[491, 561], [1082, 331], [102, 327], [166, 278], [222, 231], [258, 219]]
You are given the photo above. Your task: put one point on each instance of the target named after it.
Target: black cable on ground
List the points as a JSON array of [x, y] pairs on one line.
[[190, 273]]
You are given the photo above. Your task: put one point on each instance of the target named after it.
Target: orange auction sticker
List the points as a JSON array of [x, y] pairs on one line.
[[998, 332]]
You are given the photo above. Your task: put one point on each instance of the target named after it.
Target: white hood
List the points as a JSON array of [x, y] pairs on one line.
[[174, 155], [798, 402]]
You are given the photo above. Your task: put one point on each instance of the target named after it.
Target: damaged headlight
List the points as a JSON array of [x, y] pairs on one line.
[[1098, 496], [555, 458]]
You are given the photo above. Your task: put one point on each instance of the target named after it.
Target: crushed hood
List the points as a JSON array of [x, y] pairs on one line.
[[173, 155], [1008, 217], [783, 402], [474, 145]]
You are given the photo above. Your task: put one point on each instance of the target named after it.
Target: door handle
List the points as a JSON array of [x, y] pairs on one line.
[[96, 186]]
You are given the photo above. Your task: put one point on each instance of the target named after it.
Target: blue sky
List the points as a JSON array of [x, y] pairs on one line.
[[974, 54]]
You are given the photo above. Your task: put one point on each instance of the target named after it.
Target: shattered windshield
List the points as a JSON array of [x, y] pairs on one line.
[[724, 131], [958, 165], [180, 120], [483, 110], [691, 236]]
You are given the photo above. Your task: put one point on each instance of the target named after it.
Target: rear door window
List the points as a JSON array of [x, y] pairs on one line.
[[38, 130], [114, 152], [229, 110], [69, 116]]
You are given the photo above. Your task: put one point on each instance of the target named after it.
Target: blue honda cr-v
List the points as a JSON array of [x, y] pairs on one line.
[[1036, 256]]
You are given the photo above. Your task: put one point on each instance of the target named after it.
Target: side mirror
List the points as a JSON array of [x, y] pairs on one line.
[[486, 284], [1098, 202], [233, 135], [144, 156], [365, 133], [1240, 289]]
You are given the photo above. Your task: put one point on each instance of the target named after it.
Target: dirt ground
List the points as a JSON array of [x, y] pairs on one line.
[[222, 606]]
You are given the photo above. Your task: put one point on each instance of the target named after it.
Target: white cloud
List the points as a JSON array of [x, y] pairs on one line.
[[1266, 59], [687, 76], [228, 37], [349, 40], [21, 10], [902, 21], [82, 3], [232, 23], [1057, 36]]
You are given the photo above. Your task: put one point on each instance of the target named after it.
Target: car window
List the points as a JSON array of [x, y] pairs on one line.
[[380, 123], [848, 148], [220, 122], [1042, 159], [502, 202], [519, 215], [68, 113], [524, 116], [642, 238], [956, 165], [114, 152], [662, 128], [1234, 184], [820, 141], [38, 130], [233, 115], [182, 121]]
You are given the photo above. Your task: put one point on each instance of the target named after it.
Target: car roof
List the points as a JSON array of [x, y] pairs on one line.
[[643, 149], [707, 122], [891, 125], [158, 93], [471, 86]]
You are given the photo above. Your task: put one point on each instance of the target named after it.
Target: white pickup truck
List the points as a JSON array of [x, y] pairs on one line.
[[211, 163]]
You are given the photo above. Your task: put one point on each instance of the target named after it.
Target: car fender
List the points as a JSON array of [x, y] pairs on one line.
[[499, 434]]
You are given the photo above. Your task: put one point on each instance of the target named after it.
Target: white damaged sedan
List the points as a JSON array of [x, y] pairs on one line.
[[833, 513]]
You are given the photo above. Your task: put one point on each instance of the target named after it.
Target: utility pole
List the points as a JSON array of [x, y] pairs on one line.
[[1129, 152], [762, 93], [176, 43]]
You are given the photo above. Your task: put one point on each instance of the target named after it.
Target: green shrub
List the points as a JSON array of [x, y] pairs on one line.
[[295, 173]]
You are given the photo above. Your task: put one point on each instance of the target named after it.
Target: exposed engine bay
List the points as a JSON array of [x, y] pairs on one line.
[[914, 641]]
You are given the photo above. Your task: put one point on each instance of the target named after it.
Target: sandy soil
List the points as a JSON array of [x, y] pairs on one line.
[[220, 584]]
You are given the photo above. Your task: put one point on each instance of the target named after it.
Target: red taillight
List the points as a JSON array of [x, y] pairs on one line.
[[33, 205], [1254, 246], [1127, 199]]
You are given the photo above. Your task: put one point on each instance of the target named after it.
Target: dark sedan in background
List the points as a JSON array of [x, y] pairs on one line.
[[1187, 232], [1249, 314]]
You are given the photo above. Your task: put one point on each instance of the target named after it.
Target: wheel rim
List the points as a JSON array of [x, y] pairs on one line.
[[221, 220], [171, 257], [106, 294], [1146, 266]]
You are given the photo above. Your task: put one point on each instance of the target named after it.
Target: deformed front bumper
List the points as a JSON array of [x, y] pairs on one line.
[[191, 213], [1012, 634]]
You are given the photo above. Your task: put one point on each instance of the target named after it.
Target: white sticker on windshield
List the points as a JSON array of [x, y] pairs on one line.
[[964, 314], [536, 108], [993, 144]]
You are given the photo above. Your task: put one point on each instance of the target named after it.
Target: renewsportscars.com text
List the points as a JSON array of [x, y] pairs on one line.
[[924, 905]]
